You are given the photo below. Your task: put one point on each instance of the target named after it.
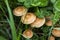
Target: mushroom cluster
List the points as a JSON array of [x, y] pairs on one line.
[[55, 33], [28, 17], [32, 19]]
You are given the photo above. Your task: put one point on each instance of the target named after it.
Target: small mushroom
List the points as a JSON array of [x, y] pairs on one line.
[[56, 32], [38, 22], [28, 18], [51, 38], [19, 11], [49, 23], [27, 33]]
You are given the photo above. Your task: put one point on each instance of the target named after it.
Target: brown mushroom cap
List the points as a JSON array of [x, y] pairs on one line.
[[19, 11], [27, 33], [51, 38], [56, 32], [49, 23], [38, 22], [28, 18]]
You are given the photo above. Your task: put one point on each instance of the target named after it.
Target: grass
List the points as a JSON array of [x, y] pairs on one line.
[[11, 22]]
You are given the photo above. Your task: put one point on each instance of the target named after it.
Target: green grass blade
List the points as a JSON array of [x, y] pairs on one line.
[[13, 29]]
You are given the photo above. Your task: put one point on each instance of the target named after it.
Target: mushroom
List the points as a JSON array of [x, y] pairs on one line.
[[19, 11], [49, 23], [56, 32], [51, 38], [27, 33], [38, 22], [28, 18]]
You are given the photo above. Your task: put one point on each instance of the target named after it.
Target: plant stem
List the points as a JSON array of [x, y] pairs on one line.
[[11, 22], [50, 31]]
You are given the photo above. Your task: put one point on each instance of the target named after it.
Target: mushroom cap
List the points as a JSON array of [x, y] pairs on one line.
[[51, 38], [49, 23], [56, 32], [19, 11], [27, 33], [28, 18], [38, 22]]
